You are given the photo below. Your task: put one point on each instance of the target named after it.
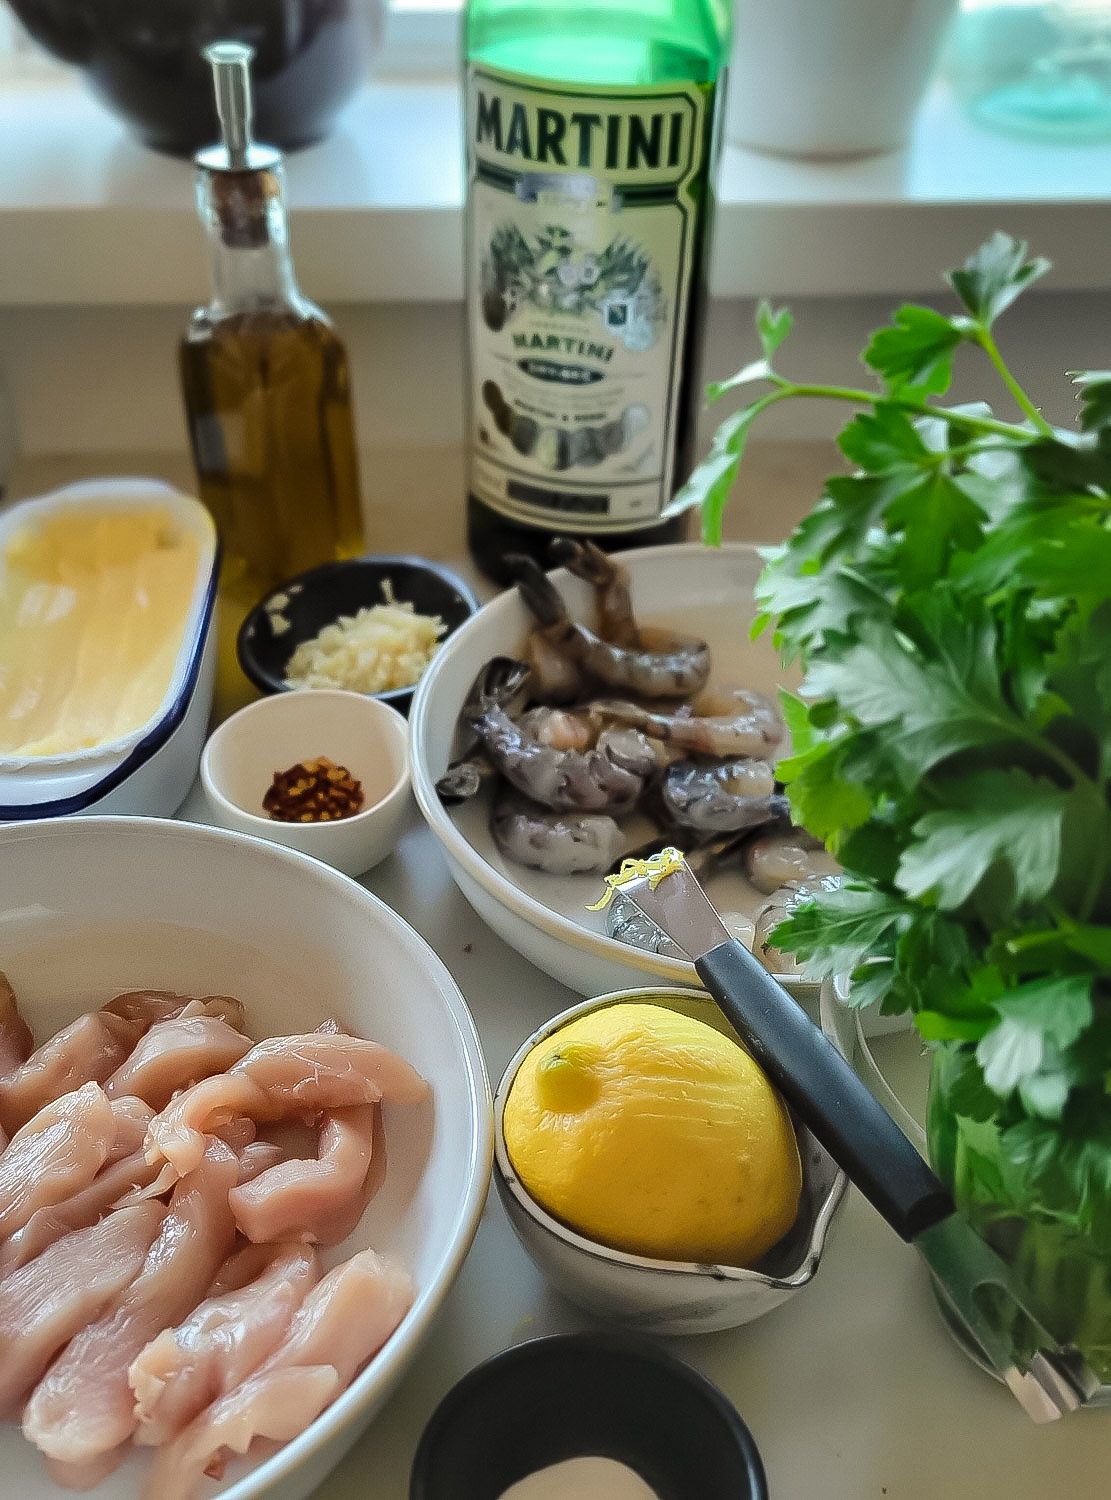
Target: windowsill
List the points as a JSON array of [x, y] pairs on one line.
[[89, 217]]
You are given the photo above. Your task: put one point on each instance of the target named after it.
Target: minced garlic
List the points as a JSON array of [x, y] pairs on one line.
[[387, 646]]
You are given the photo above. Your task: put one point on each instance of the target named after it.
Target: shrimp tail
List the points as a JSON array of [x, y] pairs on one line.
[[501, 681], [540, 596], [585, 559]]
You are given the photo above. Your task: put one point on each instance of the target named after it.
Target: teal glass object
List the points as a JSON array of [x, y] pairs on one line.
[[1039, 70]]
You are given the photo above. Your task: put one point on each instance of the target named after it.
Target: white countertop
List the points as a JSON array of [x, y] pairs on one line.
[[853, 1390]]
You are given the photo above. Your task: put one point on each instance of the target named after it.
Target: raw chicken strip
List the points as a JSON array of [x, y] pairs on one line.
[[147, 1007], [175, 1054], [57, 1153], [83, 1406], [241, 1267], [133, 1117], [296, 1066], [282, 1076], [317, 1201], [87, 1476], [186, 1368], [238, 1132], [16, 1040], [87, 1051], [258, 1157], [342, 1322], [43, 1305], [114, 1185], [125, 1170]]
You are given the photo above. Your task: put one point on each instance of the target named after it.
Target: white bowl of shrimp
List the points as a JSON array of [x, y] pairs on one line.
[[275, 1288], [702, 595]]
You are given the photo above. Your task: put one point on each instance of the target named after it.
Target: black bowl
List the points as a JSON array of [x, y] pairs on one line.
[[603, 1395], [317, 598], [144, 61]]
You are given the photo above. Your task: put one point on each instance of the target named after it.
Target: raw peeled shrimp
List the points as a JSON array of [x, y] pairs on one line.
[[609, 777], [503, 680], [610, 581], [782, 904], [721, 796], [561, 728], [677, 668], [558, 843], [775, 859], [751, 726]]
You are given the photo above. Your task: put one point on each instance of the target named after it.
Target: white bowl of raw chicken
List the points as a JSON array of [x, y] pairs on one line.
[[92, 907], [694, 590]]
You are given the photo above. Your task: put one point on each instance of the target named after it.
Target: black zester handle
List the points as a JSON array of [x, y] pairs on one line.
[[824, 1091]]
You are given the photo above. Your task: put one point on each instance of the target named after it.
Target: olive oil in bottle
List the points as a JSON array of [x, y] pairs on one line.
[[590, 134], [264, 375]]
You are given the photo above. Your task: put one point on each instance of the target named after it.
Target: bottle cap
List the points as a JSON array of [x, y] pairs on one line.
[[231, 79]]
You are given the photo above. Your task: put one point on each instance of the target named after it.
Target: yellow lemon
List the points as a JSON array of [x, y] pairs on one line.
[[652, 1132]]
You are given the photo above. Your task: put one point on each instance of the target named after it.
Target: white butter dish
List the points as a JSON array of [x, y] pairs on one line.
[[150, 770]]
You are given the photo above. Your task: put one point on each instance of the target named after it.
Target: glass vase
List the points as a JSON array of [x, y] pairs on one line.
[[1061, 1263]]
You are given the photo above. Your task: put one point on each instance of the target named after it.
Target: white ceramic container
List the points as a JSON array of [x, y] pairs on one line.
[[660, 1296], [362, 733], [151, 770], [829, 79], [90, 907], [700, 590]]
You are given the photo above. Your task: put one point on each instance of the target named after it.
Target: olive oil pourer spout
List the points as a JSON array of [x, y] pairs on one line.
[[231, 81], [231, 77]]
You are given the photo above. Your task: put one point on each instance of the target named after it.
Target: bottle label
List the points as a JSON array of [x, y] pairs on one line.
[[581, 238]]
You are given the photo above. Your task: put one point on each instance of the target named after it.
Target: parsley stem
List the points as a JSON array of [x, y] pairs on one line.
[[1099, 865], [1009, 430], [991, 349]]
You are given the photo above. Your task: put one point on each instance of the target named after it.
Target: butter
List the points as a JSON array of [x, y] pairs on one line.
[[93, 608]]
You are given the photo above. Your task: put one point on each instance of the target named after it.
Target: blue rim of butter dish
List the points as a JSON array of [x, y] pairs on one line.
[[77, 802], [599, 1394]]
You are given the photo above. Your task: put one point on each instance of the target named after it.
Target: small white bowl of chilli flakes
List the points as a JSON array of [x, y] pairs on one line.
[[322, 772]]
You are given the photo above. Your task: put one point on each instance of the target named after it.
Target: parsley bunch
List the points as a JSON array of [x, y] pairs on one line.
[[950, 603]]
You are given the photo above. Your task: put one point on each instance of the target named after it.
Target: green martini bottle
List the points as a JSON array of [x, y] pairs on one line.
[[591, 128]]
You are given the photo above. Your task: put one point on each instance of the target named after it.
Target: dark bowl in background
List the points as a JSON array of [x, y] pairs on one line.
[[143, 60], [604, 1395], [322, 594]]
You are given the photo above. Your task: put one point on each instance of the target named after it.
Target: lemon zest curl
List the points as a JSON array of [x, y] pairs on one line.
[[654, 868]]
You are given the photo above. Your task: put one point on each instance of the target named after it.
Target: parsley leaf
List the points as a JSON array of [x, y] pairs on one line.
[[916, 352], [1003, 815], [994, 276], [1048, 1011]]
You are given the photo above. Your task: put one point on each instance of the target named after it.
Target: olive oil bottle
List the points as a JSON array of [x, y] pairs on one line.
[[590, 135], [264, 375]]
